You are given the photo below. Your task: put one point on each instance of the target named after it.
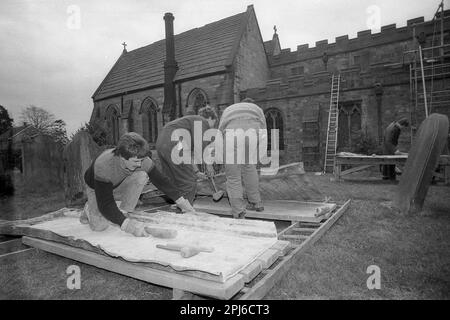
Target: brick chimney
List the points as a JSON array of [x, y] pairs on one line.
[[170, 69]]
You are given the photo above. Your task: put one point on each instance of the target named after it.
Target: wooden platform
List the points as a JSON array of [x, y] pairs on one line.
[[253, 282], [301, 235], [174, 280], [362, 162], [288, 210]]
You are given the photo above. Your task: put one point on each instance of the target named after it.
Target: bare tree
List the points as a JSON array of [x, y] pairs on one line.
[[45, 122], [39, 118]]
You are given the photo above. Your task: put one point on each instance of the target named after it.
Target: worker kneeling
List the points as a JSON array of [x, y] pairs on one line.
[[121, 174]]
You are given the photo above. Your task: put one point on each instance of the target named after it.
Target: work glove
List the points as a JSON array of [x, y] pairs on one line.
[[184, 205], [200, 175], [134, 227]]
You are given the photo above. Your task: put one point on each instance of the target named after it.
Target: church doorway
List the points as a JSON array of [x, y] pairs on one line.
[[349, 127]]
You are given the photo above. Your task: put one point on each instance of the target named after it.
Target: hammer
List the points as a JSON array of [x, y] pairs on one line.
[[217, 194], [185, 251]]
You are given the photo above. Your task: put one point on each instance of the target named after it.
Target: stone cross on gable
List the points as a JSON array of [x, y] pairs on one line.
[[124, 46]]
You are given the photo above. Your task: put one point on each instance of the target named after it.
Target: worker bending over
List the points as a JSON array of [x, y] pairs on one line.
[[244, 115], [121, 174], [390, 143], [184, 175]]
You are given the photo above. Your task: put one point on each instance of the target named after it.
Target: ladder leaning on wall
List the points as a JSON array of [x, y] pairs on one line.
[[330, 149]]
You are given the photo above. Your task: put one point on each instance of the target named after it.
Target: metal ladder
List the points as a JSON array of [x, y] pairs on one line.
[[333, 115]]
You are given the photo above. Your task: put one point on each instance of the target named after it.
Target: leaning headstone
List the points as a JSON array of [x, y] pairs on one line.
[[422, 161], [78, 156]]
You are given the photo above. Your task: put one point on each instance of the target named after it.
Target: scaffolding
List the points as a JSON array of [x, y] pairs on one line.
[[429, 69]]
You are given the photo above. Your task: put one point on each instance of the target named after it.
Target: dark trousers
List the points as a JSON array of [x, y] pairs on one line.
[[181, 175], [389, 169]]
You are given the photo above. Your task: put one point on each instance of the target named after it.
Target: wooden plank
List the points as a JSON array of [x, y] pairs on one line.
[[311, 230], [295, 236], [287, 210], [311, 224], [370, 160], [292, 226], [245, 225], [16, 253], [355, 169], [251, 271], [171, 280], [245, 289], [268, 257], [260, 289], [11, 245], [264, 261], [282, 246]]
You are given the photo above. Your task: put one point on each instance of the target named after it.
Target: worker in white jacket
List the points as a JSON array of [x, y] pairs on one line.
[[244, 115]]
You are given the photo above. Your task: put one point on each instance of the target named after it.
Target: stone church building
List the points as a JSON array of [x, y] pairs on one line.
[[227, 60]]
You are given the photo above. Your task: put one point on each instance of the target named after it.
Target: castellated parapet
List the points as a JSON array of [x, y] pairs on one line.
[[388, 34], [361, 62]]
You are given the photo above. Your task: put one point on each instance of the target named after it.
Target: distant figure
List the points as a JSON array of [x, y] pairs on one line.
[[390, 143], [243, 115]]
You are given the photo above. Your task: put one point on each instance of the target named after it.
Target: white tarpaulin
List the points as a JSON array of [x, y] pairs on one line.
[[236, 243]]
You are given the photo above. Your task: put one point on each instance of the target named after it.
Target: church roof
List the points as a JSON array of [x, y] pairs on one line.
[[200, 51]]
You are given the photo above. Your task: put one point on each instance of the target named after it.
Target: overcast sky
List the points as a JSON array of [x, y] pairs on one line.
[[55, 53]]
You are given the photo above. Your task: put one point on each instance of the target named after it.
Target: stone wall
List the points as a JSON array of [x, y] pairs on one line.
[[218, 89], [300, 86], [251, 68]]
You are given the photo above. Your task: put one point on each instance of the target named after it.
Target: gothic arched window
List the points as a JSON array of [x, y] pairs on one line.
[[112, 121], [197, 99], [274, 120], [349, 130], [149, 112]]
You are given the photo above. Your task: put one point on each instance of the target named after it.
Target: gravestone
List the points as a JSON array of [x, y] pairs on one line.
[[422, 161], [78, 156], [42, 163]]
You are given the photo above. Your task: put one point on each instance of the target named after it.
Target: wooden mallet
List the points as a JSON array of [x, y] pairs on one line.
[[185, 251], [218, 194]]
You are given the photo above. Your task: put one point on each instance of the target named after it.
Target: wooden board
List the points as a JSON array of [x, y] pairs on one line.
[[260, 289], [177, 281], [289, 210], [11, 246], [422, 161], [172, 280], [289, 182], [236, 242]]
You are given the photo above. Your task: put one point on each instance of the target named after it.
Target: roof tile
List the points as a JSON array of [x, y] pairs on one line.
[[197, 51]]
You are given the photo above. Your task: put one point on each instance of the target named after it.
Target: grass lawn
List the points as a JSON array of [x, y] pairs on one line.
[[412, 252]]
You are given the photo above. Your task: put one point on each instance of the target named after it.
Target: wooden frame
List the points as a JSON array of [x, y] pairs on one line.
[[219, 208], [260, 289], [174, 280], [363, 162], [269, 266]]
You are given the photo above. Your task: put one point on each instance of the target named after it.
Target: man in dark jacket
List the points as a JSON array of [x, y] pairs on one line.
[[121, 174], [184, 174], [390, 143]]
